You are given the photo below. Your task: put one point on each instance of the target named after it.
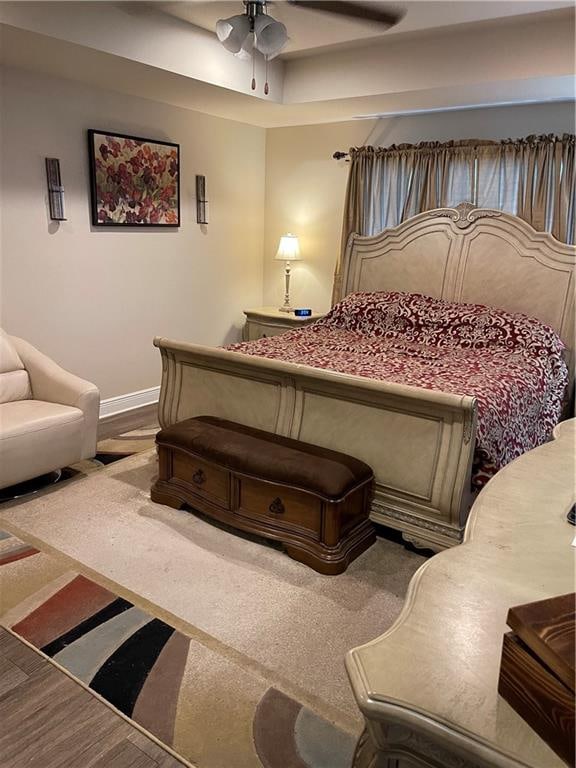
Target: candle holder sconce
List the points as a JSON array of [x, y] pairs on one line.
[[55, 189], [201, 202]]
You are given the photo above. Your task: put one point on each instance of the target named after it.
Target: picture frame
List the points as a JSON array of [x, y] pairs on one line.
[[134, 181]]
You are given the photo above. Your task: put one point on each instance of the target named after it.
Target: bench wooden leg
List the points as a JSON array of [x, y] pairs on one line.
[[327, 566], [161, 497]]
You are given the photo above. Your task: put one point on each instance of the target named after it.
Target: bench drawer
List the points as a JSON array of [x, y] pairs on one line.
[[207, 480], [280, 507]]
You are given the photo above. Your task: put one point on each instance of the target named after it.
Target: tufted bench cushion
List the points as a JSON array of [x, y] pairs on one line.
[[330, 474]]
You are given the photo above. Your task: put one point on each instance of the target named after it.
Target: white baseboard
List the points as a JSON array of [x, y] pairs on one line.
[[112, 406]]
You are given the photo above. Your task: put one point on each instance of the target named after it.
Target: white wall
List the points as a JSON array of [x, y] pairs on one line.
[[305, 187], [94, 298]]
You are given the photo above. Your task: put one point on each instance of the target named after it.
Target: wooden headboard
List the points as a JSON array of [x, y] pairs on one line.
[[473, 255]]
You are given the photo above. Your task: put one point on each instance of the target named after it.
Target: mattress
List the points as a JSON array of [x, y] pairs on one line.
[[511, 363]]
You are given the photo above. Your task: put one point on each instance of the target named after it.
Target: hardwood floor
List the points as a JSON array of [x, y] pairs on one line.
[[49, 721], [124, 422]]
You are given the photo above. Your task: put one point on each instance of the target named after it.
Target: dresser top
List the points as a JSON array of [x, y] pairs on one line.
[[438, 666], [274, 313]]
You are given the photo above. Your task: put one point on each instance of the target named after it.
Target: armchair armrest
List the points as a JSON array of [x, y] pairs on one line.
[[52, 383]]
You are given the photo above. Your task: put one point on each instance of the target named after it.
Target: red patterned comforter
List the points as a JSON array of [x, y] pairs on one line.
[[512, 364]]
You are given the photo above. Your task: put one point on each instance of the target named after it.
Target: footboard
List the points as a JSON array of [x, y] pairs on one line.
[[419, 442]]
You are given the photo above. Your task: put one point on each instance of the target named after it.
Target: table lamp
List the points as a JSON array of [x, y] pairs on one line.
[[288, 250]]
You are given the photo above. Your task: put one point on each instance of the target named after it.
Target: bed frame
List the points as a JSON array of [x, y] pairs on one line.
[[419, 442]]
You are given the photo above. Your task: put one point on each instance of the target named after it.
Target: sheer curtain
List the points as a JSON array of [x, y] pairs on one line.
[[532, 178]]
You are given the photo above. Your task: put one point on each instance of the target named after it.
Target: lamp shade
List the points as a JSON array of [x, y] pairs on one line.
[[271, 35], [233, 32], [245, 53], [288, 249]]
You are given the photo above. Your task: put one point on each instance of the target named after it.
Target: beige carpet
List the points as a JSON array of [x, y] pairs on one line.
[[244, 599]]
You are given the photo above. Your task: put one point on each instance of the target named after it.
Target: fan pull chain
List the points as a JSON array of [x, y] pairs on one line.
[[266, 89], [253, 71]]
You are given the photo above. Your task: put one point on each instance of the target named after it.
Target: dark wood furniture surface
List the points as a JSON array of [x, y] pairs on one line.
[[537, 670], [315, 501]]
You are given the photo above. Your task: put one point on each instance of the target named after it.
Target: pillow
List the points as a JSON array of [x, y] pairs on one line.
[[374, 314], [9, 358], [422, 319], [14, 379]]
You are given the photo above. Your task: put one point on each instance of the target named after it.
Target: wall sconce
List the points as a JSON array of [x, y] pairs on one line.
[[55, 189], [201, 202]]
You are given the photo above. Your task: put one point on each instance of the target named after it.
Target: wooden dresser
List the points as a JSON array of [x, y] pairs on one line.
[[428, 688]]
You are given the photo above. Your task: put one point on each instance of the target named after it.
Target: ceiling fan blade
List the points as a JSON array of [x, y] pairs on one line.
[[353, 10]]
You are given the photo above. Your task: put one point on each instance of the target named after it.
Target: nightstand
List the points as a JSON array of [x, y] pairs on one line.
[[269, 321]]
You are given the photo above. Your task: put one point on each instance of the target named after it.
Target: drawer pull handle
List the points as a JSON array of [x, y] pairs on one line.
[[199, 477], [277, 508]]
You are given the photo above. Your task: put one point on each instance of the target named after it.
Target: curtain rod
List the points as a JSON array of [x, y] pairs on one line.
[[531, 139]]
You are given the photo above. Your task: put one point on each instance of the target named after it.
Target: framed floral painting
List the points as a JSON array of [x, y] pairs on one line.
[[134, 182]]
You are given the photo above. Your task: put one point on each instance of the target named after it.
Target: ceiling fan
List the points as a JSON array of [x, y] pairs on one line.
[[256, 30]]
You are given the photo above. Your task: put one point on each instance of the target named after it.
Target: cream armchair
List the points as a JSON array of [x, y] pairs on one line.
[[48, 417]]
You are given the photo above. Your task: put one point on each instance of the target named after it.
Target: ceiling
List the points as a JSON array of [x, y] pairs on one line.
[[312, 31], [442, 56]]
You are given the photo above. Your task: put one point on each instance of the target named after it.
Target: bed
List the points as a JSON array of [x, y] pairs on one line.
[[421, 438]]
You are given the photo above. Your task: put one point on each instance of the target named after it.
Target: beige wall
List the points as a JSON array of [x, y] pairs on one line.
[[94, 298], [305, 187]]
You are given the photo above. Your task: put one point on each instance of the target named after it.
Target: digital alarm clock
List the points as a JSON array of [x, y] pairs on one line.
[[302, 312]]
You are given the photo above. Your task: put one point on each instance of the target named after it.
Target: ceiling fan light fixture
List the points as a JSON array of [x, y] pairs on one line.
[[247, 51], [255, 30], [270, 35], [233, 32]]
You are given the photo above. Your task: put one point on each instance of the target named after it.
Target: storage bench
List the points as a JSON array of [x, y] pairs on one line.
[[315, 501]]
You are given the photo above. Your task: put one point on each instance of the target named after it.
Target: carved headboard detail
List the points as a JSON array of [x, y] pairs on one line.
[[473, 255]]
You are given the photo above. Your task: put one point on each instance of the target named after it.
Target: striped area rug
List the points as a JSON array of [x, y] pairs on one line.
[[189, 695], [12, 549]]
